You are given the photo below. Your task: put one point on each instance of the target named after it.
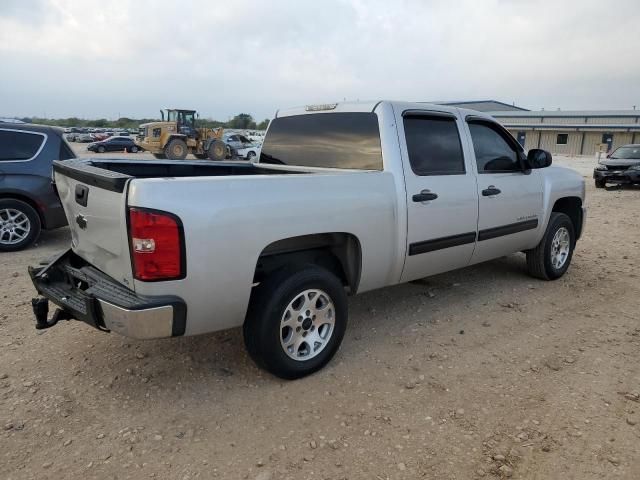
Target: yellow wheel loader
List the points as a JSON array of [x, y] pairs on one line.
[[177, 135]]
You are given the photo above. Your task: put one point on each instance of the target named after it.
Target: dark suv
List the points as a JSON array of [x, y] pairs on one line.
[[28, 200], [620, 167]]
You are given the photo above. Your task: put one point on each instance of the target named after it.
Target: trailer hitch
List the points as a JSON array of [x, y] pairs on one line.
[[41, 311]]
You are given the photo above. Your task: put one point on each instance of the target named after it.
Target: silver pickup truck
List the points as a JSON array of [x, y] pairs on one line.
[[344, 198]]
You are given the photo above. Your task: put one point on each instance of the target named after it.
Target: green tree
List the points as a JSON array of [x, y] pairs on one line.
[[263, 124], [241, 121]]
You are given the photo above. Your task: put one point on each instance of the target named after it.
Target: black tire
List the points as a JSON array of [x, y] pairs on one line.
[[600, 183], [176, 149], [159, 156], [101, 149], [539, 259], [217, 151], [34, 224], [134, 149], [269, 301], [251, 155]]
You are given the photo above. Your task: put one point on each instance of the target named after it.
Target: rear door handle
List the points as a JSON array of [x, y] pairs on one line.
[[490, 191], [424, 196]]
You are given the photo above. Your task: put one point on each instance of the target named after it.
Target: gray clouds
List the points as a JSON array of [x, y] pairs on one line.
[[95, 58]]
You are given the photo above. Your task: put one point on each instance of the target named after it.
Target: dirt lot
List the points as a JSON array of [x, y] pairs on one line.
[[481, 373]]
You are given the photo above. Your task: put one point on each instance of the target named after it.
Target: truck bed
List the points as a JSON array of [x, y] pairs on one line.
[[113, 174]]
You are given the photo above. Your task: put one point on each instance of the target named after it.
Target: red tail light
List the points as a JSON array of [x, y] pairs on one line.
[[157, 245]]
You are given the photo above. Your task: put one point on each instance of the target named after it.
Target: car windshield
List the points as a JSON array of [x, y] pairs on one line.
[[627, 153]]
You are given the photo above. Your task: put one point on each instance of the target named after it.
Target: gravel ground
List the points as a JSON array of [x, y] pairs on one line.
[[480, 373]]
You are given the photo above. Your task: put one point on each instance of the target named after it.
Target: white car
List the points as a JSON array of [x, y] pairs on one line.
[[242, 147]]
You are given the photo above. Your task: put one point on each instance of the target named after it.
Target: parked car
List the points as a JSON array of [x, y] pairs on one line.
[[114, 144], [345, 198], [84, 138], [28, 201], [72, 137], [620, 167], [241, 146]]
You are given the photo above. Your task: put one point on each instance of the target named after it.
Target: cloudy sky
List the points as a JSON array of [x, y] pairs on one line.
[[105, 58]]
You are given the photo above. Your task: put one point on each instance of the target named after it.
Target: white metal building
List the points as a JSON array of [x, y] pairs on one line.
[[569, 132]]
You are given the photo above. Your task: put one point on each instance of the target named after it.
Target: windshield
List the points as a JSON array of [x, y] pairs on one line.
[[334, 140], [627, 153]]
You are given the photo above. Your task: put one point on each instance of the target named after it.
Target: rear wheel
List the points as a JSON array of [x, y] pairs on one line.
[[176, 149], [19, 225], [134, 149], [600, 183], [552, 257], [217, 150], [296, 321]]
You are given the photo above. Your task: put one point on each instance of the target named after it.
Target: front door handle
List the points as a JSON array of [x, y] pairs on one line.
[[424, 196], [490, 191]]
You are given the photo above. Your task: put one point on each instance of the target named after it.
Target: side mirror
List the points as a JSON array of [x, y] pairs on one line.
[[538, 158]]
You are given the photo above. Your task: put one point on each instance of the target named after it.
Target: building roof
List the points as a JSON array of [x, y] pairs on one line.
[[485, 105], [566, 113], [574, 126]]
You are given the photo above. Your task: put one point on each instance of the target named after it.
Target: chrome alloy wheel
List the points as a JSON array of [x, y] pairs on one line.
[[307, 325], [14, 226], [560, 246]]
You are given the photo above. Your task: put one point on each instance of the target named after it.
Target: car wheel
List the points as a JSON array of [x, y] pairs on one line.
[[19, 225], [296, 321], [552, 257], [217, 150], [176, 149], [251, 155], [133, 149], [101, 149], [601, 183]]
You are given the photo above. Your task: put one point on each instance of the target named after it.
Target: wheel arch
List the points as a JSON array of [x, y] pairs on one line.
[[338, 252], [26, 199], [572, 207]]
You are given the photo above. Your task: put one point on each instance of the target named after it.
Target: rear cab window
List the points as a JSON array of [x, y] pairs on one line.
[[20, 145], [349, 140]]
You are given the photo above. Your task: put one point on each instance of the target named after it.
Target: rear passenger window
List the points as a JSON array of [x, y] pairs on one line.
[[493, 152], [434, 145], [16, 145]]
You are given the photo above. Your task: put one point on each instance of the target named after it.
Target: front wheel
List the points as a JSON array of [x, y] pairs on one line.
[[100, 149], [217, 150], [134, 149], [19, 225], [296, 321], [552, 257]]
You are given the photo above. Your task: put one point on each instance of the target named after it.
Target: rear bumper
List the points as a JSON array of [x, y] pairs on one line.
[[84, 293], [617, 176]]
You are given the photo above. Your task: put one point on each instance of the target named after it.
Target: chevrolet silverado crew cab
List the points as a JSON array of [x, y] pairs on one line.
[[343, 199]]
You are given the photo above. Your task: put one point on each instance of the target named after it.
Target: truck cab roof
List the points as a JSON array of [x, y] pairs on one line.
[[371, 105]]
